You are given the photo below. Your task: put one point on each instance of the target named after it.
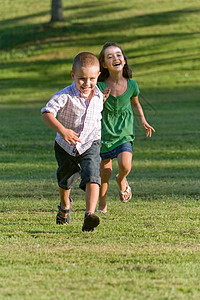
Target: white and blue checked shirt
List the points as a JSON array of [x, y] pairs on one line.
[[75, 112]]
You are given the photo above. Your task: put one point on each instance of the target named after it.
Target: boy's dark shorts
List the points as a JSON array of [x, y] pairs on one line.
[[84, 166]]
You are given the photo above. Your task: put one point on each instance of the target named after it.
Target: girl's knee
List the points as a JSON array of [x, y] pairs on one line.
[[125, 169], [106, 173], [125, 162]]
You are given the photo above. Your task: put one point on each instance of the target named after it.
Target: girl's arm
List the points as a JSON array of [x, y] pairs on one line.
[[68, 135], [137, 109], [106, 93]]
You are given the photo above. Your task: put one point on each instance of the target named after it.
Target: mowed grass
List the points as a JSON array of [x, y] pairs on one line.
[[148, 248]]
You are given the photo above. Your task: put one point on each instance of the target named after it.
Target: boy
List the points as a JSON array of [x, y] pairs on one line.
[[77, 144]]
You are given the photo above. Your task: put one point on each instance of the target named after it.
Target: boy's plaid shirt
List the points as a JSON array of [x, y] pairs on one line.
[[75, 112]]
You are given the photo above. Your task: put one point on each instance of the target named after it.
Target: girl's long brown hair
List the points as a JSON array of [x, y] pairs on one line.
[[127, 73]]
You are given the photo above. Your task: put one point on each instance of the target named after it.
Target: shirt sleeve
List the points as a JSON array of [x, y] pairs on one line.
[[135, 88], [100, 85], [57, 102]]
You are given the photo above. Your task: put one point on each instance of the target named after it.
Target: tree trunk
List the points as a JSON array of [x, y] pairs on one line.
[[56, 11]]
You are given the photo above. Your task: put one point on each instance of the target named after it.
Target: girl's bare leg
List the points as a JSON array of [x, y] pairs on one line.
[[105, 173], [124, 164]]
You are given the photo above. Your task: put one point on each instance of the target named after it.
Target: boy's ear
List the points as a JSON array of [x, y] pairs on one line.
[[72, 74]]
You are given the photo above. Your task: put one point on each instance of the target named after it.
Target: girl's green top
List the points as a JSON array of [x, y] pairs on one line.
[[117, 117]]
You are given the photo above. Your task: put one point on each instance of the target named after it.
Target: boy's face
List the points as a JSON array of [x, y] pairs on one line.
[[86, 78]]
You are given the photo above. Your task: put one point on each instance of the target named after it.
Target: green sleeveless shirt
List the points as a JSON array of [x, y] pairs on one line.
[[117, 118]]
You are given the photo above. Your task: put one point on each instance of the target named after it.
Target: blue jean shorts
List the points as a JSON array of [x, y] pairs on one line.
[[126, 147], [84, 166]]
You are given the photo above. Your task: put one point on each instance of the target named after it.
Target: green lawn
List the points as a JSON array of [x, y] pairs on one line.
[[148, 248]]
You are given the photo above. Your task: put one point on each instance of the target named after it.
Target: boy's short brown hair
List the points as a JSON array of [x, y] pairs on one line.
[[85, 59]]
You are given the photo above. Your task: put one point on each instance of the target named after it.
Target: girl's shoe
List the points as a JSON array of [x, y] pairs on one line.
[[64, 220], [102, 211], [102, 208], [127, 194]]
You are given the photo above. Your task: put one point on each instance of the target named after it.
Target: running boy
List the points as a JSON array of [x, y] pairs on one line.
[[77, 143]]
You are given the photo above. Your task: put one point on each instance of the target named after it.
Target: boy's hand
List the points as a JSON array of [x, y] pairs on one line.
[[106, 94], [148, 128], [71, 137]]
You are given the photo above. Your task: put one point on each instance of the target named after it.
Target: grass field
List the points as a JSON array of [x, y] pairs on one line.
[[148, 248]]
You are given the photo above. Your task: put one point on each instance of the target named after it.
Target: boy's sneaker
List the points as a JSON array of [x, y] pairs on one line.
[[90, 221]]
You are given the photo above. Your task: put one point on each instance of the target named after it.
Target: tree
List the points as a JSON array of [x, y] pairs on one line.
[[56, 11]]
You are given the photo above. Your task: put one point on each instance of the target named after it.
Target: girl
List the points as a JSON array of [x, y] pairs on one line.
[[117, 120]]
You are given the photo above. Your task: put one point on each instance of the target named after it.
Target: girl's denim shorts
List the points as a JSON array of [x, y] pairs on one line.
[[126, 147], [84, 166]]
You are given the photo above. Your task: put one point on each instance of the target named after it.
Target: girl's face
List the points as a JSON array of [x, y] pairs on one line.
[[113, 59]]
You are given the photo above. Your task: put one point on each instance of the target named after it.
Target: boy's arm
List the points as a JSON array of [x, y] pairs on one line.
[[137, 109], [68, 135]]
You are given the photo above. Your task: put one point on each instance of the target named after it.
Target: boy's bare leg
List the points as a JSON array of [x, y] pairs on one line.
[[91, 196], [105, 172], [64, 200]]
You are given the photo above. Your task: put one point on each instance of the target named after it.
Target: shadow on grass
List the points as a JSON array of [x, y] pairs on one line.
[[13, 35], [39, 74], [80, 30], [36, 75]]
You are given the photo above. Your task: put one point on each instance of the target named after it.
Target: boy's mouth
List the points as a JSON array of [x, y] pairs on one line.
[[86, 90]]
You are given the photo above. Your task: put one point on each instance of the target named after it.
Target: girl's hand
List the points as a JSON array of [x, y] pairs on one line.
[[106, 94], [148, 128], [70, 136]]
